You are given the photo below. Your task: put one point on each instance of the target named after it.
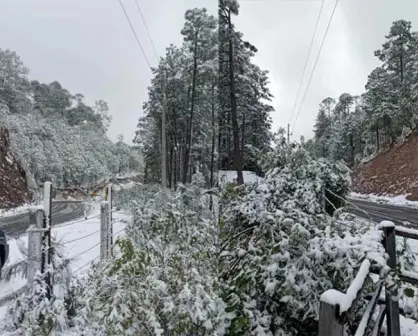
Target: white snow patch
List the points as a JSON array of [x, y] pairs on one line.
[[409, 327], [386, 223], [226, 176]]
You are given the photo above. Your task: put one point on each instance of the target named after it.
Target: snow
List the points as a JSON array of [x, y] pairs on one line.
[[399, 200], [15, 211], [407, 230], [78, 236], [345, 301], [409, 327], [386, 223], [231, 176], [412, 275]]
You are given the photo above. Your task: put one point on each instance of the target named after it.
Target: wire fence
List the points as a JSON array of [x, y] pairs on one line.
[[21, 266]]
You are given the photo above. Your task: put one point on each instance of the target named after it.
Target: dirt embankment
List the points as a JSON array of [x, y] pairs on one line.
[[394, 172], [14, 189]]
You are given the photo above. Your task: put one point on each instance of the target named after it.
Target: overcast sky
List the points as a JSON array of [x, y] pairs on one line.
[[88, 47]]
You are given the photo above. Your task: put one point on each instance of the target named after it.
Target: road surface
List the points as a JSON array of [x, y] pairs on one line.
[[400, 215], [61, 212]]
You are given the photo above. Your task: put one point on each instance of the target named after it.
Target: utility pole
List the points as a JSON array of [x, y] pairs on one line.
[[163, 138], [288, 133]]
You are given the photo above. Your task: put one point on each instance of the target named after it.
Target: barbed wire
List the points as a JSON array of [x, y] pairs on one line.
[[76, 222], [80, 238]]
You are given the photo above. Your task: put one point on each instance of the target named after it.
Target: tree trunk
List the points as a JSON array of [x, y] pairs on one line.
[[243, 137], [235, 128], [190, 126], [212, 157]]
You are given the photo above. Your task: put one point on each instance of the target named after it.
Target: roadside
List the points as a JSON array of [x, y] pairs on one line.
[[81, 240]]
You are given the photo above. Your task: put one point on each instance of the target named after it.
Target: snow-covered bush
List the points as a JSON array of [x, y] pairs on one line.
[[33, 312], [164, 279], [281, 250], [332, 178]]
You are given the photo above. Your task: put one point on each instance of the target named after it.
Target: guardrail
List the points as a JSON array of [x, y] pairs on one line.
[[337, 309]]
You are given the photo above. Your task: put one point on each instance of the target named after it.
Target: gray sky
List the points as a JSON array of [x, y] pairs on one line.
[[87, 45]]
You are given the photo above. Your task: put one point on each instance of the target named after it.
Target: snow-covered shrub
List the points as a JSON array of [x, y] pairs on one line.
[[164, 279], [332, 178], [33, 313], [281, 250]]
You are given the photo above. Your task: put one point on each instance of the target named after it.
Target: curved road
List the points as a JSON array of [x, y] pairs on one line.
[[400, 215], [61, 212]]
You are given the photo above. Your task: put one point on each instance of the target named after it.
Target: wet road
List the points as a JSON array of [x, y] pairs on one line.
[[400, 215], [61, 212]]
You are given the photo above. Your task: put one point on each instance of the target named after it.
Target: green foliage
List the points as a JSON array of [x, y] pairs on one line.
[[281, 250]]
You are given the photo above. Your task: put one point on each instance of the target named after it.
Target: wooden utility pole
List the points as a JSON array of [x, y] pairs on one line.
[[163, 138], [288, 133]]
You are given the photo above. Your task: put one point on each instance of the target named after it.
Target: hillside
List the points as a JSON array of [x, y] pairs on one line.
[[54, 135], [13, 185], [394, 172]]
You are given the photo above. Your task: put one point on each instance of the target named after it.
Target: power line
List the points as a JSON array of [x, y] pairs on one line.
[[136, 36], [147, 30], [316, 62], [306, 61]]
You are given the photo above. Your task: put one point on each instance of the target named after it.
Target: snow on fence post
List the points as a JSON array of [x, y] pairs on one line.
[[391, 292], [34, 243], [46, 260], [328, 324], [104, 230]]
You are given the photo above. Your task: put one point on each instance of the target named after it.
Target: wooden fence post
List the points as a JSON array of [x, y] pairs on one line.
[[104, 230], [392, 305], [34, 243], [328, 325]]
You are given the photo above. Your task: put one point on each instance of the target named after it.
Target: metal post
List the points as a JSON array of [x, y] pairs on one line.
[[104, 230], [46, 237], [392, 305], [328, 325]]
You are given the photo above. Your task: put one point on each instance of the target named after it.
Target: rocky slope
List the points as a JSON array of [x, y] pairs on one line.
[[13, 184], [394, 172]]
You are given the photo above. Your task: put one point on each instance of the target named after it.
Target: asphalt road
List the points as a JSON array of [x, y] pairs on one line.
[[61, 212], [400, 215]]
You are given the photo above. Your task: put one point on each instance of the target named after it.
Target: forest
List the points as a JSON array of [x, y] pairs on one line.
[[212, 124], [353, 128], [55, 135]]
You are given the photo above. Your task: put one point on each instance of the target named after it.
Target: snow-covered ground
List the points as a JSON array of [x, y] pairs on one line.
[[394, 200], [82, 244]]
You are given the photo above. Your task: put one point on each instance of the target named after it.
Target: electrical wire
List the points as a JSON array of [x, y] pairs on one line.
[[147, 30], [306, 60], [136, 36], [315, 64]]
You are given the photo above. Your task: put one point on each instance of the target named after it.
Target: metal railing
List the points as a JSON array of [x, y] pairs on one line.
[[337, 309]]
